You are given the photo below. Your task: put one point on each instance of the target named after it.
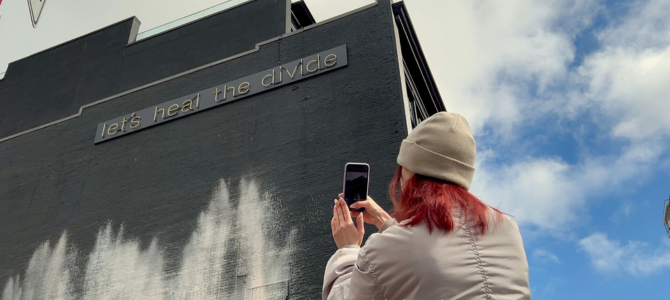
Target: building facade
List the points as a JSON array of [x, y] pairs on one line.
[[200, 162]]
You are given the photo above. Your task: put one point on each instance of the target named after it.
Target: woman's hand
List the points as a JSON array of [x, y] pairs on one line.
[[344, 230], [374, 214]]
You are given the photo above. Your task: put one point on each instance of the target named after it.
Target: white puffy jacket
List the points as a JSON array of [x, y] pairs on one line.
[[406, 262]]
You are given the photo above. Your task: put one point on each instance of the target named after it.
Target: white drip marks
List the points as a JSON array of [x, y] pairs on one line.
[[118, 268]]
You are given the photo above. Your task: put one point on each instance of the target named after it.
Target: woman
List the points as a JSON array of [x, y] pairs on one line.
[[441, 241]]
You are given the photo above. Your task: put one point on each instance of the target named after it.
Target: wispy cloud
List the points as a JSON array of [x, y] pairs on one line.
[[508, 77], [549, 194], [545, 256], [623, 213], [610, 256], [520, 78], [627, 78], [490, 72]]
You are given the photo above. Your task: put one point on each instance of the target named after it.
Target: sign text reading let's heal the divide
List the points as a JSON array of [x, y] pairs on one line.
[[224, 93]]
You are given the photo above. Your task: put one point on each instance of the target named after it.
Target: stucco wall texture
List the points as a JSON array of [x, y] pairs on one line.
[[230, 203]]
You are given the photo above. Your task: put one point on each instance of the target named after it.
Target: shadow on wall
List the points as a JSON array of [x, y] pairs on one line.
[[118, 269]]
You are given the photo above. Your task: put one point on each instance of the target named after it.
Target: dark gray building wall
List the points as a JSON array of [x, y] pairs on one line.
[[55, 83], [293, 141]]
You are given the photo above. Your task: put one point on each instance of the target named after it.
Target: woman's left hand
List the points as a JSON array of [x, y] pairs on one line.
[[344, 230]]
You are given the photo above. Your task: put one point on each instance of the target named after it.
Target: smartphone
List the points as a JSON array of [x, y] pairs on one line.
[[356, 183]]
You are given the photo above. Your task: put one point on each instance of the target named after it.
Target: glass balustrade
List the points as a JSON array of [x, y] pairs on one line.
[[179, 22]]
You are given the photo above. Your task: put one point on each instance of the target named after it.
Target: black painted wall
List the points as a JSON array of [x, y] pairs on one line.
[[55, 83], [292, 140]]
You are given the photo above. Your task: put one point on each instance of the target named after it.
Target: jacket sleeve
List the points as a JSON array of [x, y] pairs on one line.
[[350, 274]]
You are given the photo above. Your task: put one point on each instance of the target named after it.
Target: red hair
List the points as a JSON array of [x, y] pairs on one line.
[[431, 200]]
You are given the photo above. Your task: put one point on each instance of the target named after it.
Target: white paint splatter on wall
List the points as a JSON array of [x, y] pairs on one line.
[[47, 276], [117, 268]]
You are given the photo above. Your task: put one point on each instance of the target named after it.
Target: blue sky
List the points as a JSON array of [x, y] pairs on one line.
[[569, 102]]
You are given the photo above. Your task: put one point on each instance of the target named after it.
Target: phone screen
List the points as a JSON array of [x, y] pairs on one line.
[[356, 183]]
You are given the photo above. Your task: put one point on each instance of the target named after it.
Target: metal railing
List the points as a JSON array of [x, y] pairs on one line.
[[190, 18]]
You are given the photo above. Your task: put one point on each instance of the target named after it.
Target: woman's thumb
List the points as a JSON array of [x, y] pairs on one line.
[[357, 204]]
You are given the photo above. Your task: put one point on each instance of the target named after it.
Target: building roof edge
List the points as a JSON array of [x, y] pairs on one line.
[[256, 49]]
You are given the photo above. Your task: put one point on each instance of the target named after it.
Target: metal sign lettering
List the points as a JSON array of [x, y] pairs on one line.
[[222, 94]]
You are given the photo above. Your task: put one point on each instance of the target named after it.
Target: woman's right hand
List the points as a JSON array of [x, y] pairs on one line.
[[373, 214]]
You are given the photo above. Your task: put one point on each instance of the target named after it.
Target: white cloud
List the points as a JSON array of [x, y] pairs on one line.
[[489, 53], [627, 79], [623, 213], [623, 86], [609, 256], [545, 256], [506, 66], [537, 192], [550, 194], [645, 27]]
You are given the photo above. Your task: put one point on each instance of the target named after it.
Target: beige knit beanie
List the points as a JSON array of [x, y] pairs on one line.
[[441, 147]]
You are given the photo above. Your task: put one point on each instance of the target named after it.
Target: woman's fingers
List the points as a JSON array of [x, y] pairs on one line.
[[346, 215], [345, 231], [340, 214], [336, 218], [361, 228]]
